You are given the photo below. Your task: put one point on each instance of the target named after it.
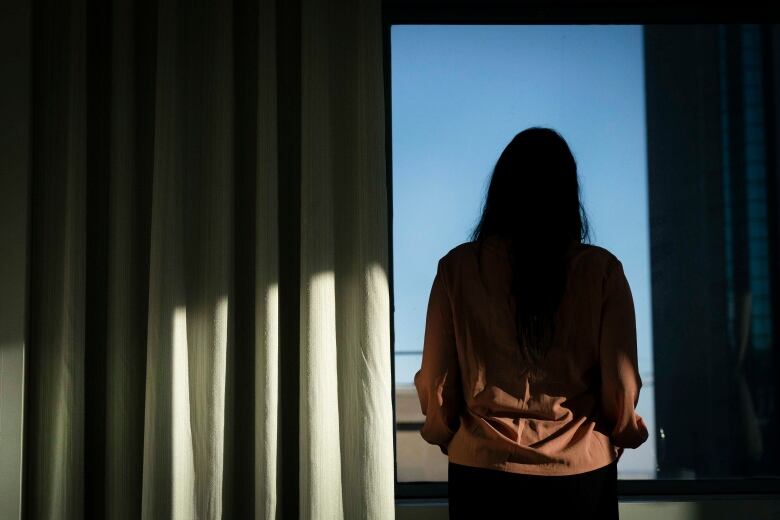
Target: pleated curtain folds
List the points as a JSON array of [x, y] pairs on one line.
[[208, 324]]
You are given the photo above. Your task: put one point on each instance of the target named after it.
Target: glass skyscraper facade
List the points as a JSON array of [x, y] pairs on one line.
[[712, 182]]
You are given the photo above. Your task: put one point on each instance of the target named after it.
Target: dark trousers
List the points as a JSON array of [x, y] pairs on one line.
[[486, 493]]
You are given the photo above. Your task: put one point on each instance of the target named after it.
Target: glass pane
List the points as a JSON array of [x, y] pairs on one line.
[[668, 126]]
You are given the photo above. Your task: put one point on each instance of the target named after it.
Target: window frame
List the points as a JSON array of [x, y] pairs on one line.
[[473, 12]]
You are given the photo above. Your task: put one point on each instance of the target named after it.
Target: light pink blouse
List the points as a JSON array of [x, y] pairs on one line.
[[482, 406]]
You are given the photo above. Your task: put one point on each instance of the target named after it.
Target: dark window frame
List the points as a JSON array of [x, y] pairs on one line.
[[472, 12]]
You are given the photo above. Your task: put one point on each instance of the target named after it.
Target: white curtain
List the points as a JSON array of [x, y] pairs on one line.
[[209, 302]]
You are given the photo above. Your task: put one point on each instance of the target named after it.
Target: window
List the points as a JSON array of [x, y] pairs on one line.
[[670, 126]]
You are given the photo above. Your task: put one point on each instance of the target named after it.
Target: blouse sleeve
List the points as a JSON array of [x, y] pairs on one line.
[[620, 380], [438, 380]]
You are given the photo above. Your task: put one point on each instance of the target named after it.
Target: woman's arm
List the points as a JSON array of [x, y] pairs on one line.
[[620, 380], [438, 380]]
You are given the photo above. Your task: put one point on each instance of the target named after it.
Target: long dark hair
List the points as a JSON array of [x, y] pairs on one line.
[[534, 200]]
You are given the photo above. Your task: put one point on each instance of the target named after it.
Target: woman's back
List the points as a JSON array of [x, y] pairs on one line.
[[487, 408]]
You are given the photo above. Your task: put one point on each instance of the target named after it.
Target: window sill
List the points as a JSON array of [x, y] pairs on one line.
[[676, 508]]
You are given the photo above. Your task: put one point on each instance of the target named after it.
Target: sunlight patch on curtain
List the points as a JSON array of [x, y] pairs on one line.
[[182, 469], [321, 450]]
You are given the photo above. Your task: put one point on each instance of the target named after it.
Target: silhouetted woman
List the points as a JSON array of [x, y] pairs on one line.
[[529, 377]]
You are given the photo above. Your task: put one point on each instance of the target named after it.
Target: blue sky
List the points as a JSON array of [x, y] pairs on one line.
[[459, 95]]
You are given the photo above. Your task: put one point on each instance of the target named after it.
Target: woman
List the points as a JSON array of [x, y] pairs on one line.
[[529, 377]]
